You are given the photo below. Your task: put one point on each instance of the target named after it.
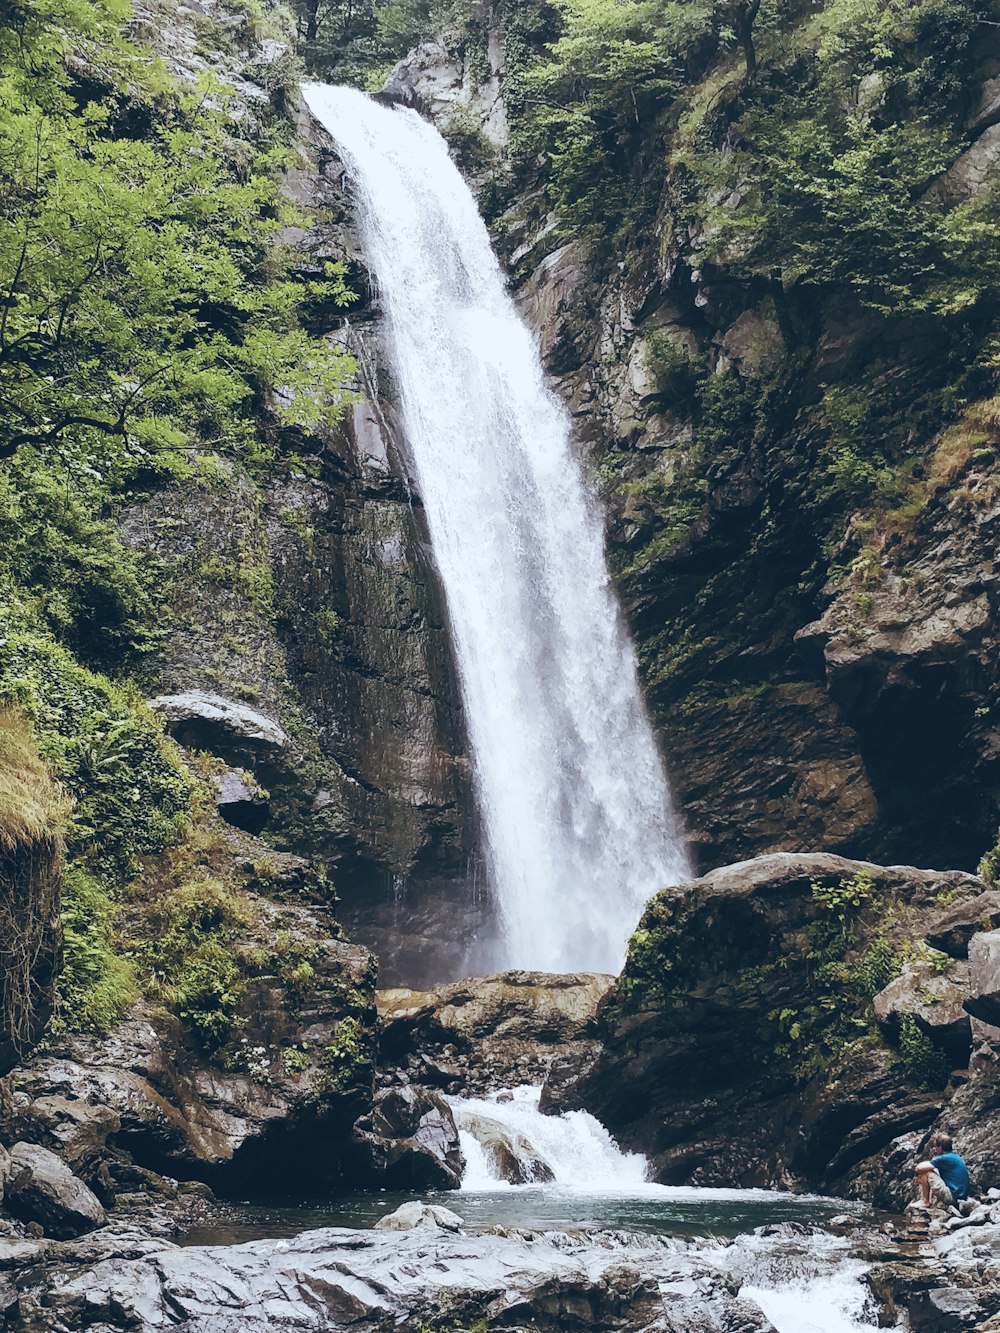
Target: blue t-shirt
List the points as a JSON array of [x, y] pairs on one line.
[[954, 1173]]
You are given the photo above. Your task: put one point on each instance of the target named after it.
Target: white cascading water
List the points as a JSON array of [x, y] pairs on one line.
[[574, 1148], [802, 1283], [577, 816]]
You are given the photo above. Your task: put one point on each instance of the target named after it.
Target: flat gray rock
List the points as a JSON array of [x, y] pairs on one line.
[[370, 1281], [198, 709]]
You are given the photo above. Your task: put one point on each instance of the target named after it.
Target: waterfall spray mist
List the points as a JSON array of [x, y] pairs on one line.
[[576, 811]]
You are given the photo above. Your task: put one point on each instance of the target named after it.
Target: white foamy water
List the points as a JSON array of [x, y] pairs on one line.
[[803, 1284], [575, 1148], [808, 1284], [577, 816]]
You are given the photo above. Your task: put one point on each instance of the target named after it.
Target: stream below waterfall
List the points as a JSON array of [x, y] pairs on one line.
[[805, 1282]]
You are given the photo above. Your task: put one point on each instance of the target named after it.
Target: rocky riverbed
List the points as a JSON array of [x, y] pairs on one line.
[[431, 1275]]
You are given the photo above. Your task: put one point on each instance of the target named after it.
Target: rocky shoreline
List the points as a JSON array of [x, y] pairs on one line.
[[427, 1276]]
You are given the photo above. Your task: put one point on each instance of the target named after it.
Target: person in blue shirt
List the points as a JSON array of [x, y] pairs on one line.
[[945, 1177]]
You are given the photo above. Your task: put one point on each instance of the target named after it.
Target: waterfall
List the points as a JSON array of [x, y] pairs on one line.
[[576, 813]]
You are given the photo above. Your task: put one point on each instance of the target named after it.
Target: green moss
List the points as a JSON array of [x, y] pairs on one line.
[[989, 866], [187, 957], [924, 1062], [131, 790], [344, 1058], [97, 983]]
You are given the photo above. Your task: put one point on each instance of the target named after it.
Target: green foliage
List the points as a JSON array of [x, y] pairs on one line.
[[144, 292], [989, 866], [675, 371], [187, 957], [878, 965], [343, 1058], [296, 1060], [595, 100], [845, 898], [924, 1062], [132, 793], [96, 984], [832, 167], [58, 545], [358, 41]]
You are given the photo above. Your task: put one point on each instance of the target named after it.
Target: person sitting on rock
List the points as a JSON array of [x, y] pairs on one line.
[[944, 1179]]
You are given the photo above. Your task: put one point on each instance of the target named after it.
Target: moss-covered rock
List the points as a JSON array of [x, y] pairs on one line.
[[741, 1045]]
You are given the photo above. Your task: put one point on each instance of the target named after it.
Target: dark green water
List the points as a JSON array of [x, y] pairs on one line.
[[657, 1209]]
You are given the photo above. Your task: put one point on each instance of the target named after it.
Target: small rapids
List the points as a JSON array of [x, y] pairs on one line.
[[548, 1171], [510, 1142]]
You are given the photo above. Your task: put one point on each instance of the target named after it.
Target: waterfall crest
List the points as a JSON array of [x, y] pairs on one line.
[[577, 817]]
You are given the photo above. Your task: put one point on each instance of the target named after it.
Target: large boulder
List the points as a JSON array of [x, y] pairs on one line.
[[511, 1156], [41, 1188], [984, 977], [492, 1032], [206, 721], [741, 1042], [408, 1140], [75, 1128], [416, 1214], [935, 999], [406, 1280]]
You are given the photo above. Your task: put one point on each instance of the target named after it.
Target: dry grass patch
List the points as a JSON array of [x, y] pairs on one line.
[[33, 807]]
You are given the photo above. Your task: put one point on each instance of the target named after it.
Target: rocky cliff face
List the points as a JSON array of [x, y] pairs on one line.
[[811, 691], [798, 708], [303, 593]]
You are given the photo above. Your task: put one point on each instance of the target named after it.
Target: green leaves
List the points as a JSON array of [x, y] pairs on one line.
[[836, 169], [140, 279], [616, 67]]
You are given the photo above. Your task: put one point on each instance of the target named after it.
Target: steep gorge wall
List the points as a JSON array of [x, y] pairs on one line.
[[303, 597], [822, 672]]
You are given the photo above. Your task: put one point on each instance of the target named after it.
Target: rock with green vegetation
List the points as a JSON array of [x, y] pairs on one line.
[[931, 993], [757, 254], [253, 1058], [742, 1043]]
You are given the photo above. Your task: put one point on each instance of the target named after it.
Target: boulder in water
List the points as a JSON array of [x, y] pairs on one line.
[[718, 1036], [512, 1156], [43, 1189], [416, 1214], [484, 1032], [408, 1140]]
